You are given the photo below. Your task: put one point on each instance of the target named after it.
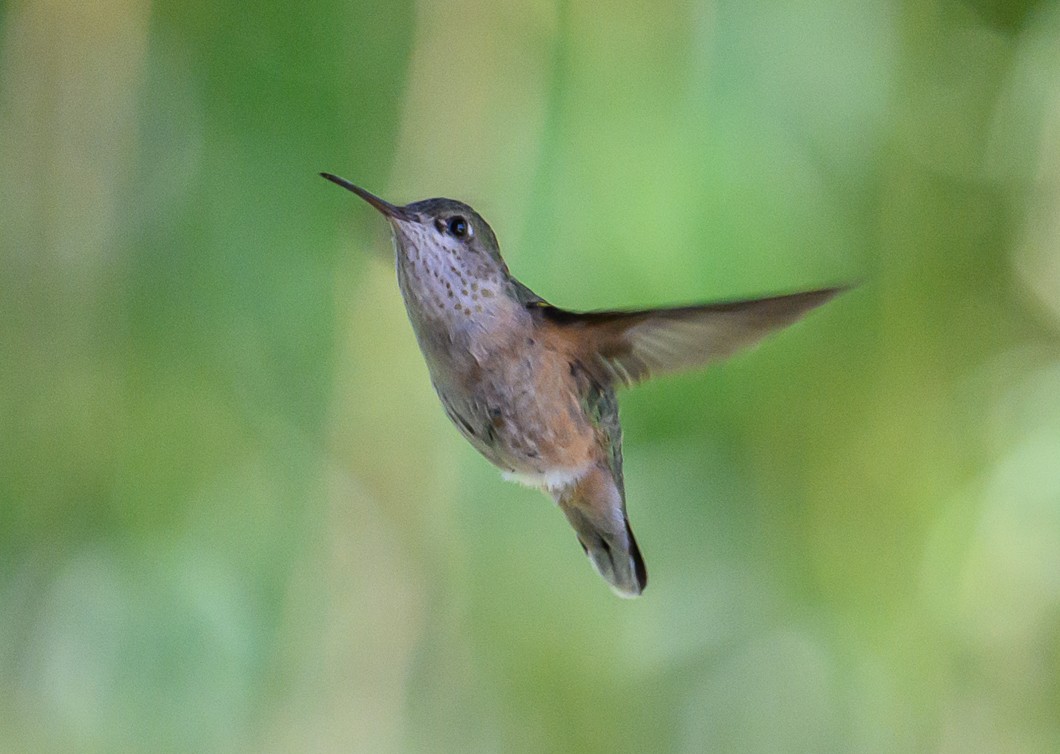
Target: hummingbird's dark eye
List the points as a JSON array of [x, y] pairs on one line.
[[458, 227]]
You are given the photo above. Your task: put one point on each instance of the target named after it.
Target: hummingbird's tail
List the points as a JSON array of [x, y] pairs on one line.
[[595, 509]]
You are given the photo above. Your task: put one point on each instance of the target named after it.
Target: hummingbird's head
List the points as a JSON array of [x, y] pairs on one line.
[[442, 227]]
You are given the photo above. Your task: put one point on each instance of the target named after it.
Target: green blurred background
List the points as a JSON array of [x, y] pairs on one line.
[[234, 518]]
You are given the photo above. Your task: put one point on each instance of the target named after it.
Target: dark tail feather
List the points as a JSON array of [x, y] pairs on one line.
[[612, 550]]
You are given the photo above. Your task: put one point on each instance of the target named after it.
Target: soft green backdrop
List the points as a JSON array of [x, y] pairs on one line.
[[234, 518]]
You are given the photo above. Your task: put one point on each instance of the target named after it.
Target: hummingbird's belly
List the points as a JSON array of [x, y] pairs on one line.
[[524, 418]]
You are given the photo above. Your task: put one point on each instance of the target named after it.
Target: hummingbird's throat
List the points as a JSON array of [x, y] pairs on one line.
[[440, 281]]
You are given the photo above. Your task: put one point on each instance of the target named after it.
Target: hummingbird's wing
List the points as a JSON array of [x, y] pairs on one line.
[[626, 347]]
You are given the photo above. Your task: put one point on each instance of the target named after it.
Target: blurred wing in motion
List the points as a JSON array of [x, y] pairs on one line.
[[627, 347]]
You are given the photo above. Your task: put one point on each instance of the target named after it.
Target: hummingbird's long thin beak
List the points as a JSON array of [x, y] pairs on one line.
[[388, 209]]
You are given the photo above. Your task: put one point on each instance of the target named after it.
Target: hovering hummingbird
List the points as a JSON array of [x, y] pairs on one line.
[[532, 386]]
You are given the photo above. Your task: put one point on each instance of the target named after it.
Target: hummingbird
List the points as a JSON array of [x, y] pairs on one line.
[[532, 386]]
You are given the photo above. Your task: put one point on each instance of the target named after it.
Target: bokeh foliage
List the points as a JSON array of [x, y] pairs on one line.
[[233, 517]]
